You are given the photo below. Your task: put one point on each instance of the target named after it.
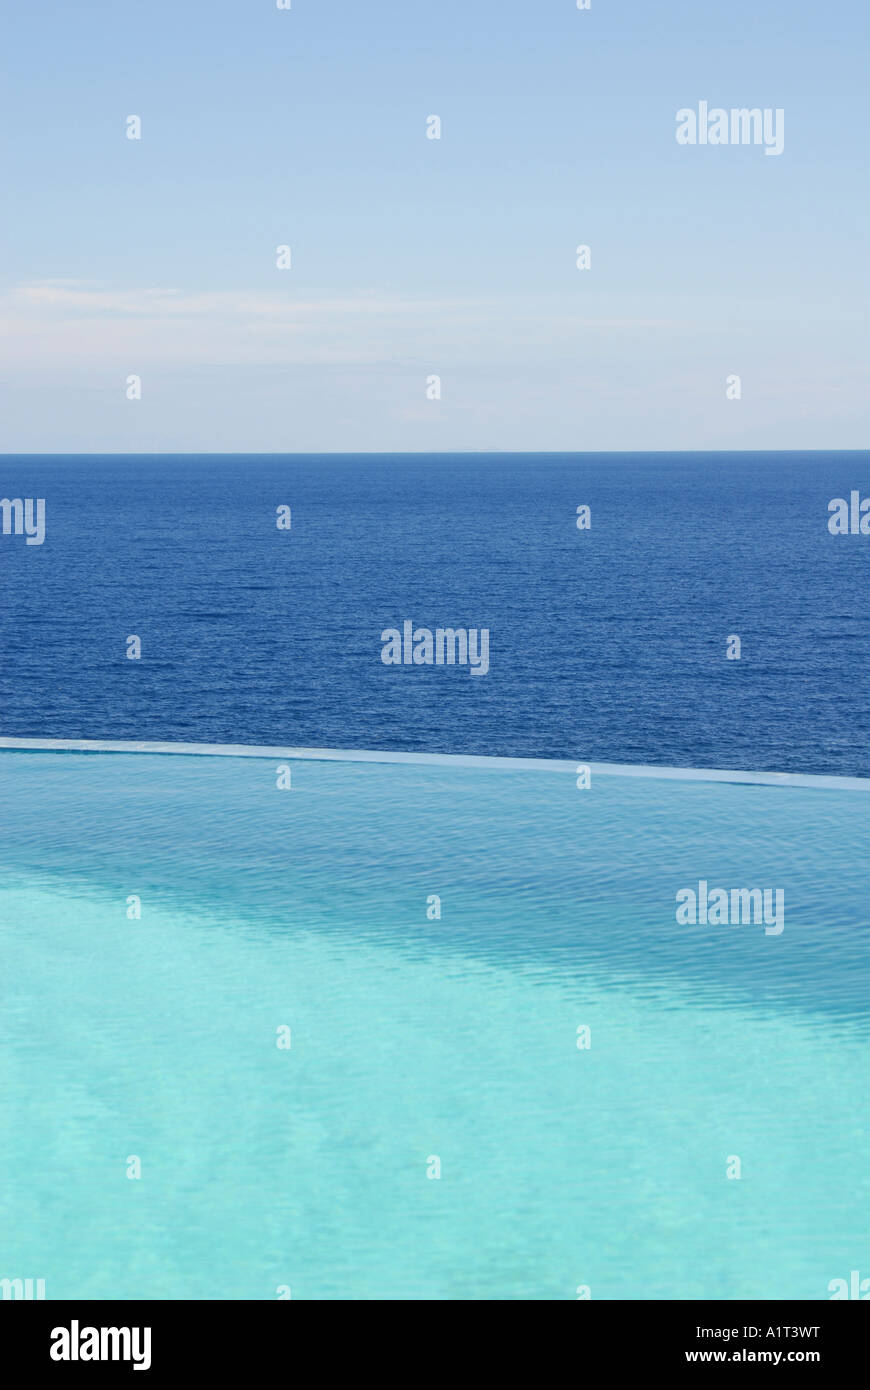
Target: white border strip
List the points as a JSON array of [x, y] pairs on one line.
[[244, 750]]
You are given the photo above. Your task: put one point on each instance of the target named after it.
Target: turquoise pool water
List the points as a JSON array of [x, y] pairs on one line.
[[456, 1037]]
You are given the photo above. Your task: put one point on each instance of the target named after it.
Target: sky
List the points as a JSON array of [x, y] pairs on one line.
[[413, 258]]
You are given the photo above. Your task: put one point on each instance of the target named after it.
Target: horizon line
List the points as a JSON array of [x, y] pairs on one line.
[[404, 453]]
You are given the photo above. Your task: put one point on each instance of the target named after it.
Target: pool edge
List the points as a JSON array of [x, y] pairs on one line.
[[243, 750]]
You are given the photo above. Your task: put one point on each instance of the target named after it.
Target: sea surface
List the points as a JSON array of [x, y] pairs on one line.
[[430, 937], [709, 1142], [607, 644]]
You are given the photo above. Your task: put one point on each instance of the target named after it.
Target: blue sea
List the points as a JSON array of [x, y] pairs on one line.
[[607, 644], [327, 1026]]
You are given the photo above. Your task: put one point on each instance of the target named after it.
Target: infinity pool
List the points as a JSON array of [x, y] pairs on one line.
[[420, 1041]]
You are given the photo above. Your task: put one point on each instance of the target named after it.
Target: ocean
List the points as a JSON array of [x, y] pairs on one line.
[[606, 644], [315, 1026]]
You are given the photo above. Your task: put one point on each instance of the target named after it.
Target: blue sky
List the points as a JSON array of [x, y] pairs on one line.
[[414, 257]]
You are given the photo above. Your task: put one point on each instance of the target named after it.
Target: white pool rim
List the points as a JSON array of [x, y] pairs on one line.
[[560, 765]]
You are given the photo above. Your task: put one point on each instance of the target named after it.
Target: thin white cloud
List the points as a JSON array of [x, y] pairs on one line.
[[56, 322], [81, 298]]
